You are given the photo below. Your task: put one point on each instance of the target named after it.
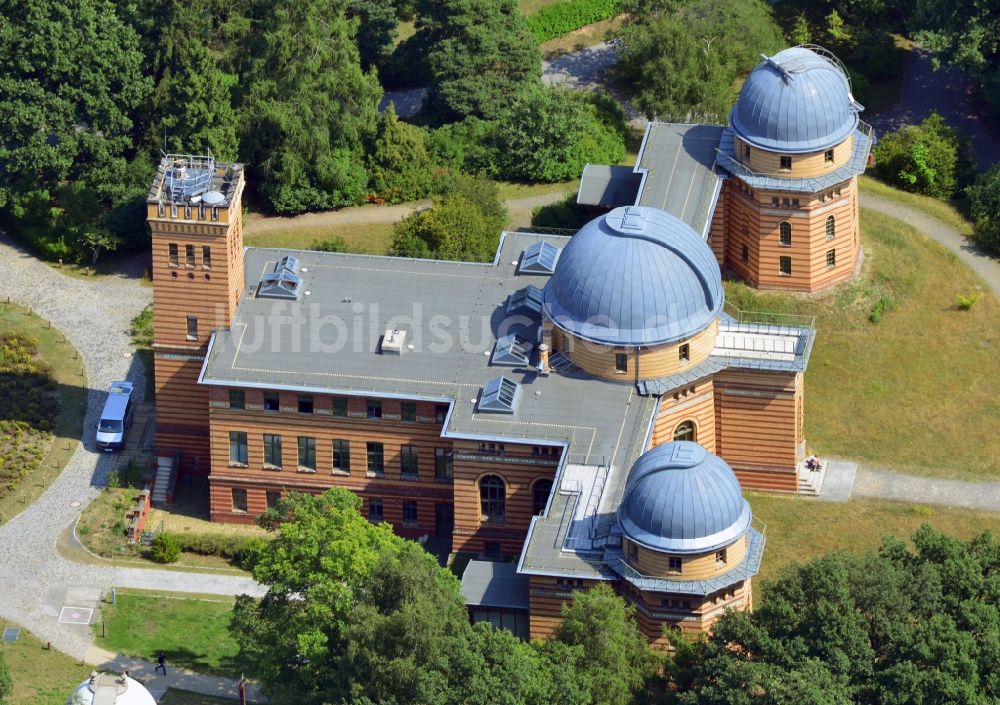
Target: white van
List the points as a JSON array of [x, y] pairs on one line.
[[116, 417]]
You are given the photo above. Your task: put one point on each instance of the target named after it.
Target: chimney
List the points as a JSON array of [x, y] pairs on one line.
[[543, 359]]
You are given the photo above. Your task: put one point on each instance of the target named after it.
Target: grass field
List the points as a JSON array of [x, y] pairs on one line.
[[936, 208], [799, 529], [918, 391], [373, 238], [41, 676], [191, 629], [49, 450], [586, 36]]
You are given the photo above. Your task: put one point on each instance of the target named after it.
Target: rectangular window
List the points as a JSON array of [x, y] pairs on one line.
[[774, 201], [785, 266], [374, 409], [341, 455], [189, 255], [206, 257], [786, 163], [271, 401], [785, 202], [674, 564], [273, 497], [272, 450], [375, 512], [376, 459], [684, 353], [237, 448], [305, 404], [440, 413], [822, 198], [828, 156], [307, 453], [192, 328], [795, 203], [172, 254], [444, 464], [239, 500], [237, 399], [720, 556], [410, 512], [745, 255], [339, 406], [408, 465], [831, 258], [408, 411], [621, 362]]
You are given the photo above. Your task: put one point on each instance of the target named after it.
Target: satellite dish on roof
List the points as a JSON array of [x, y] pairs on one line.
[[213, 198]]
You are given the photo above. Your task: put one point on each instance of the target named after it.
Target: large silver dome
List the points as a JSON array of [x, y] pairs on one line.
[[635, 276], [798, 100], [680, 498]]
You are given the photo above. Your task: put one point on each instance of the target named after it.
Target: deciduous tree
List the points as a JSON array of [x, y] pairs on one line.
[[984, 201]]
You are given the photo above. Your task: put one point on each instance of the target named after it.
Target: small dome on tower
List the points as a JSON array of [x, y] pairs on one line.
[[798, 100], [680, 498], [635, 276]]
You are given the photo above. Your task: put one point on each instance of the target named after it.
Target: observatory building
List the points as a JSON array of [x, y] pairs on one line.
[[581, 409], [775, 191], [110, 689]]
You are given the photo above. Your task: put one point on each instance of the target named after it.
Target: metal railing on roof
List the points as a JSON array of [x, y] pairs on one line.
[[791, 65], [188, 175], [532, 230], [730, 163], [766, 318]]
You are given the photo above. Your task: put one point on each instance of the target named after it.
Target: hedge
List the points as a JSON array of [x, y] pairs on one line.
[[567, 16], [229, 547]]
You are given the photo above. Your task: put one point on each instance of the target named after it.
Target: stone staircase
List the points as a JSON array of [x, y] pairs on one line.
[[811, 481], [166, 480]]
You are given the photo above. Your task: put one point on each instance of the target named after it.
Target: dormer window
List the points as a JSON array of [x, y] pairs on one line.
[[828, 156], [786, 163]]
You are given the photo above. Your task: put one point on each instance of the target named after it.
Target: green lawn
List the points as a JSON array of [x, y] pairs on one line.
[[799, 529], [47, 451], [41, 676], [191, 629], [373, 238], [918, 391], [183, 697], [936, 208]]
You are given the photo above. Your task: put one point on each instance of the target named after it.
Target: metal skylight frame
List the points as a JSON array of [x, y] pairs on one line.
[[511, 350], [529, 298], [539, 258], [288, 263], [500, 395], [280, 285]]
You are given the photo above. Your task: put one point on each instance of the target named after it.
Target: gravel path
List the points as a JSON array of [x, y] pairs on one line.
[[35, 580]]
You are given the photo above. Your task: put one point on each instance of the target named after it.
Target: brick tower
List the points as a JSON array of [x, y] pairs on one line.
[[194, 210], [794, 148]]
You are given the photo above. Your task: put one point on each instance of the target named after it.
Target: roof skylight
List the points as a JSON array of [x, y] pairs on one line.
[[500, 395], [539, 258], [529, 298], [510, 350]]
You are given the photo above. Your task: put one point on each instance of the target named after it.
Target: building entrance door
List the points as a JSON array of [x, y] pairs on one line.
[[444, 519]]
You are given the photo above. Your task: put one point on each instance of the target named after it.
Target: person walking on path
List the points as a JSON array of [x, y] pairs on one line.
[[161, 663]]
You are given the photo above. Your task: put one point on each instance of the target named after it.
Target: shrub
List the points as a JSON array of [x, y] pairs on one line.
[[399, 165], [930, 158], [334, 244], [966, 302], [567, 16], [231, 547], [166, 548], [984, 204], [566, 213]]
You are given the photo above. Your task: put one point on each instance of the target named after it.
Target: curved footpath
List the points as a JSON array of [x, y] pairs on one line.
[[36, 582]]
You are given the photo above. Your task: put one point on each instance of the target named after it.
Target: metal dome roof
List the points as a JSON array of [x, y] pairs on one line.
[[635, 276], [798, 100], [680, 498]]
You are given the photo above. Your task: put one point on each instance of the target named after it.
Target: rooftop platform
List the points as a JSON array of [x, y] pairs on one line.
[[491, 584], [608, 186], [186, 179]]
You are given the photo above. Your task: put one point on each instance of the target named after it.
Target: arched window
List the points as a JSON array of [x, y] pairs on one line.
[[785, 234], [540, 495], [493, 499], [684, 431], [831, 227]]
